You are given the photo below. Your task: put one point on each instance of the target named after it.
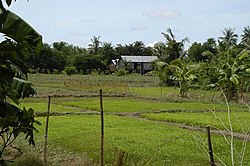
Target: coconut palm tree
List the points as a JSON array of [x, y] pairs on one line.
[[108, 53], [229, 38], [94, 45], [175, 49], [159, 50], [246, 36]]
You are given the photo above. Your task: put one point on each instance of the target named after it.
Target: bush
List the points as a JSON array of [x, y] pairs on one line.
[[121, 72], [70, 70]]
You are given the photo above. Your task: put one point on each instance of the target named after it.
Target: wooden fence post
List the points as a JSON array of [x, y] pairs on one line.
[[102, 131], [46, 133], [210, 150]]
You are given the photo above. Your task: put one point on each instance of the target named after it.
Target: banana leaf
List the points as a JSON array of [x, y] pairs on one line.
[[20, 31]]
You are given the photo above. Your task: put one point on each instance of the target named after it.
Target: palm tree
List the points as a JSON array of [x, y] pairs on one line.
[[229, 38], [94, 45], [175, 49], [108, 52], [138, 47], [159, 50], [246, 36]]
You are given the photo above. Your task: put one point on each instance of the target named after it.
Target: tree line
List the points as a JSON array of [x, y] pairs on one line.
[[98, 54], [223, 63], [97, 57]]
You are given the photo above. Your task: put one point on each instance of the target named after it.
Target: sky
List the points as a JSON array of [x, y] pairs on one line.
[[127, 21]]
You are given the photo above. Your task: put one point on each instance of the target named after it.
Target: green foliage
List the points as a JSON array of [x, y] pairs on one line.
[[68, 51], [232, 71], [174, 49], [121, 72], [245, 36], [229, 39], [164, 73], [15, 121], [178, 71], [195, 52], [136, 48], [108, 53], [85, 63], [70, 70], [48, 60], [94, 45], [22, 33], [20, 41]]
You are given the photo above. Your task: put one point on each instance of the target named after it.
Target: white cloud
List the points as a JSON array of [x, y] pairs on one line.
[[161, 14]]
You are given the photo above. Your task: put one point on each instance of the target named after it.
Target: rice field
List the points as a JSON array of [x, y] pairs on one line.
[[135, 116]]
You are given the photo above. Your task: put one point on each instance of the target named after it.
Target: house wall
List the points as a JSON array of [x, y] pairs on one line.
[[147, 66], [137, 67]]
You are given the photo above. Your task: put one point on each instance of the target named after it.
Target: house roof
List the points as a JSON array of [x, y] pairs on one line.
[[114, 61], [139, 58]]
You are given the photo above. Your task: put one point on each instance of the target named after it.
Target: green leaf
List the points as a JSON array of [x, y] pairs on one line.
[[234, 79], [23, 88], [248, 70], [17, 29], [30, 111], [13, 95], [160, 63], [176, 62], [244, 54], [37, 122], [192, 76]]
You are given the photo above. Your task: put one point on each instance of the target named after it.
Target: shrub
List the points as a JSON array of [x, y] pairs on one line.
[[70, 70], [121, 72]]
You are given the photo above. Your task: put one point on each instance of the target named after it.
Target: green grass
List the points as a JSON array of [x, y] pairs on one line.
[[146, 142], [240, 120], [137, 105], [43, 107], [153, 91], [142, 140]]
